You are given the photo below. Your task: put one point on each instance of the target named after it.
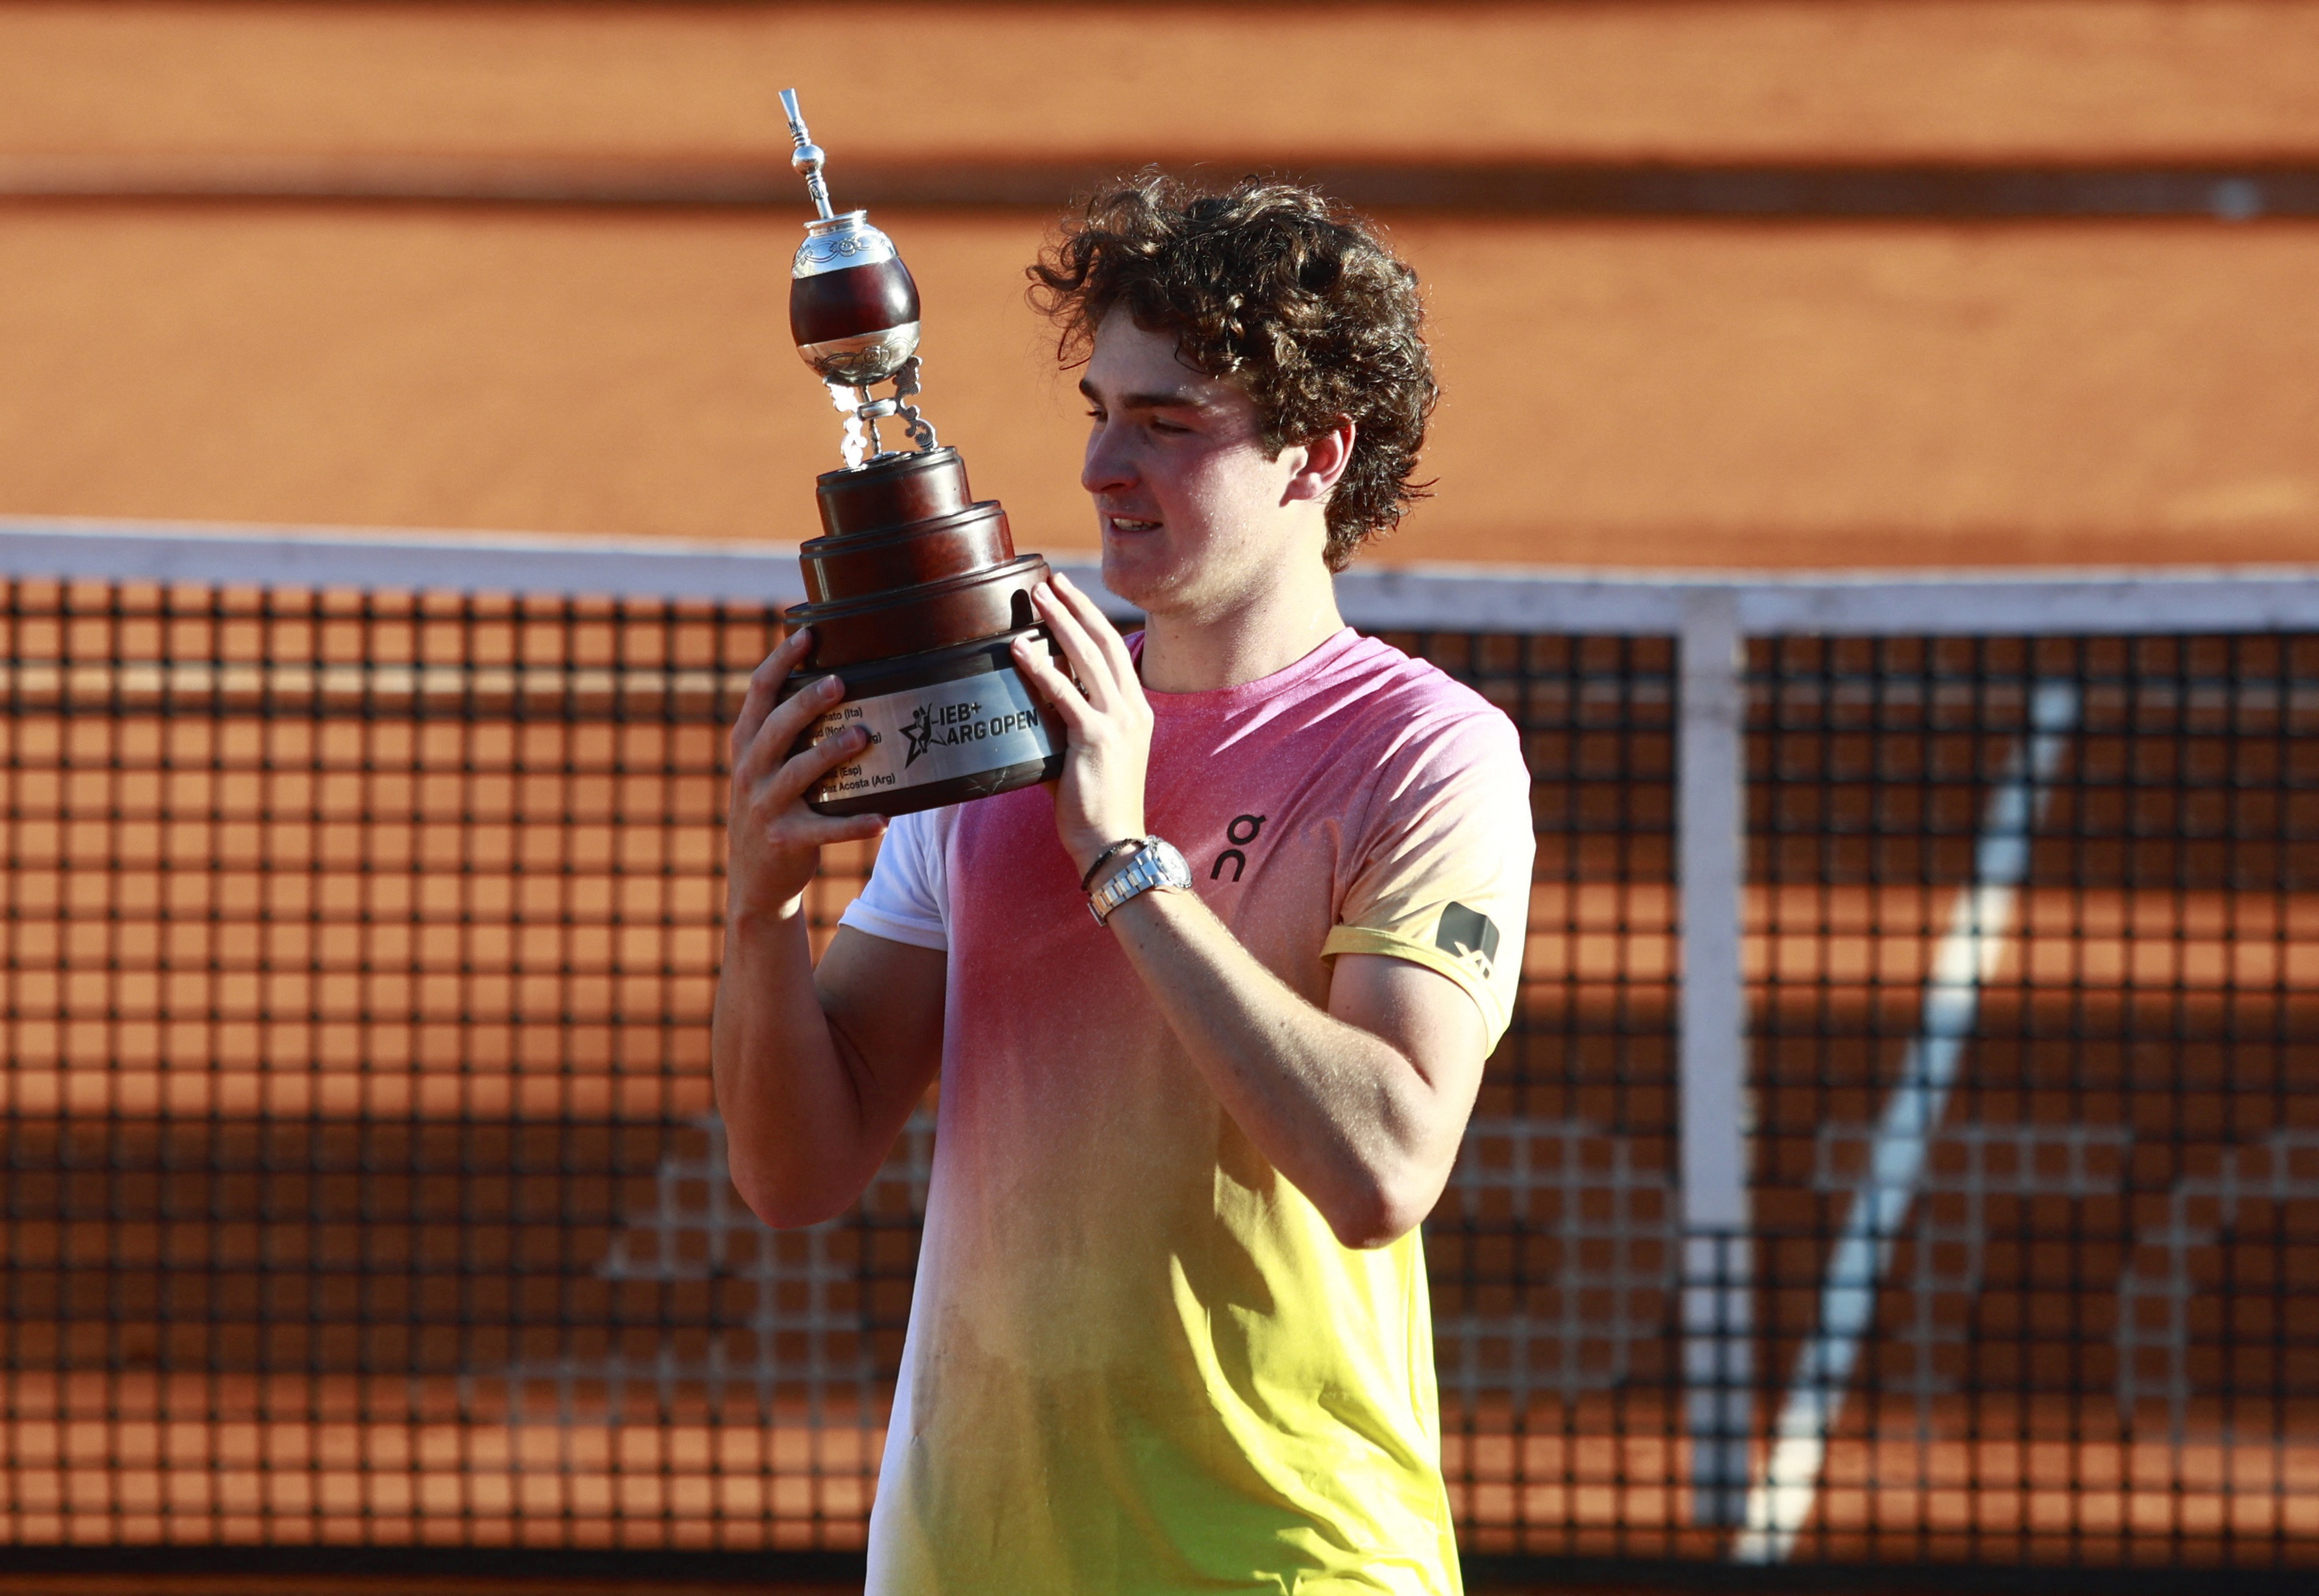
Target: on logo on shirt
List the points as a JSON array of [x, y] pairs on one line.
[[1241, 831]]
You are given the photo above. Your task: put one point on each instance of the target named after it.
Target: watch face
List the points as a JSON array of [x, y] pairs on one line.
[[1173, 869]]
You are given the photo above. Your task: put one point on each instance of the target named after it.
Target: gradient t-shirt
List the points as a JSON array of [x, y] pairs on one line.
[[1138, 1360]]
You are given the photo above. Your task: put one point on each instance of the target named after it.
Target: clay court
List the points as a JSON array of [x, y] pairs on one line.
[[367, 1226]]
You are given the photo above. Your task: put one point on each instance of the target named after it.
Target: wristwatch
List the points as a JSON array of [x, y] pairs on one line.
[[1155, 865]]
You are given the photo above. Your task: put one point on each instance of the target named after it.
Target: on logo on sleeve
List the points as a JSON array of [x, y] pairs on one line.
[[1468, 934]]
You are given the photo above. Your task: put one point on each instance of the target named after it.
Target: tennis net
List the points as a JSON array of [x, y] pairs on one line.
[[1907, 1150]]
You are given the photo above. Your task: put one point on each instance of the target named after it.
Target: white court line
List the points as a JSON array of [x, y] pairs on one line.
[[1780, 1499]]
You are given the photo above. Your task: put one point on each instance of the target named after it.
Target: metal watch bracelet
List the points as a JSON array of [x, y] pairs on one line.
[[1086, 882], [1155, 866]]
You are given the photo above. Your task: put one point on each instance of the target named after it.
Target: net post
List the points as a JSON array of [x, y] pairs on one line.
[[1711, 1056]]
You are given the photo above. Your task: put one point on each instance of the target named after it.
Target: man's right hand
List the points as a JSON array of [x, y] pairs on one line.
[[775, 840], [815, 1071]]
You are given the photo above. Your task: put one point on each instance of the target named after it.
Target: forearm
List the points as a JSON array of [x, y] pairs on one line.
[[1362, 1118], [1347, 1118], [791, 1097], [815, 1071]]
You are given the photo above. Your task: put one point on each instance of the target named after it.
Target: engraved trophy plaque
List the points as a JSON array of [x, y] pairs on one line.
[[914, 591]]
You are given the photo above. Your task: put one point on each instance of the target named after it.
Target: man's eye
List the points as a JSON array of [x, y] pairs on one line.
[[1095, 415]]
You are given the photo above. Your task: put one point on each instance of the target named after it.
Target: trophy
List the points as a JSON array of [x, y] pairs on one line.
[[914, 591]]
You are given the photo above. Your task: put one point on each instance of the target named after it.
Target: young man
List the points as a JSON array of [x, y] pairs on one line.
[[1170, 1330]]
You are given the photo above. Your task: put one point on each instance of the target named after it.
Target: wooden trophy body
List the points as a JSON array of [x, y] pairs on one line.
[[916, 596]]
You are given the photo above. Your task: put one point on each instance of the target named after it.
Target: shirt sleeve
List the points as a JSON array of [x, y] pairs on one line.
[[907, 898], [1443, 874]]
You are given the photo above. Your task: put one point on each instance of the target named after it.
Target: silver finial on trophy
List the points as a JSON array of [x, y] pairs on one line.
[[810, 155], [853, 310]]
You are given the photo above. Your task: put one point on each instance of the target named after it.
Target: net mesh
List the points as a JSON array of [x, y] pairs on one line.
[[2045, 908], [362, 1185]]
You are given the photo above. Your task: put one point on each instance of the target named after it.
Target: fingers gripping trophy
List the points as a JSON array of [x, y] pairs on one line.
[[915, 593]]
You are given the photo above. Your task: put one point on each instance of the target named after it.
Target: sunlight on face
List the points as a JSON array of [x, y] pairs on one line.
[[1194, 517]]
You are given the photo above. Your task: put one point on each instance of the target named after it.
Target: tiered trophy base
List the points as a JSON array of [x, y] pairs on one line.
[[914, 594], [945, 725]]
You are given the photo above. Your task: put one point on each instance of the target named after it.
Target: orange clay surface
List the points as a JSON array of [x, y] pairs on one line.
[[1618, 394], [1707, 80]]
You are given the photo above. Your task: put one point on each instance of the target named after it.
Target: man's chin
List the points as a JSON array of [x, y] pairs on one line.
[[1136, 568]]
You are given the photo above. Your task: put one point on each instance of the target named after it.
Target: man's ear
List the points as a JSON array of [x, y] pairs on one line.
[[1325, 460]]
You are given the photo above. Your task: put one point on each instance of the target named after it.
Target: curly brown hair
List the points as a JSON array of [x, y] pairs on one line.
[[1277, 289]]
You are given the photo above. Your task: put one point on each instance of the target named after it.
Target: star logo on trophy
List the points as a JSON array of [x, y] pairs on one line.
[[920, 731]]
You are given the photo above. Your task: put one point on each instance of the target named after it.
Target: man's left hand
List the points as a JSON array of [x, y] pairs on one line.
[[1099, 800]]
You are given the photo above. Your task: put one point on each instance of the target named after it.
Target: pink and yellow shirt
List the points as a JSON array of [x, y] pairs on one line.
[[1138, 1360]]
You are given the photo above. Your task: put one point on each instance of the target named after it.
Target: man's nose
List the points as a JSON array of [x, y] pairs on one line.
[[1108, 466]]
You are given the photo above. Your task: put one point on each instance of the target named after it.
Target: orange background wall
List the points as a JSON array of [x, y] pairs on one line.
[[1623, 392]]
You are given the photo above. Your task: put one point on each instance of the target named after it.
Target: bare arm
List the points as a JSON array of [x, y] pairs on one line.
[[1361, 1107], [814, 1071]]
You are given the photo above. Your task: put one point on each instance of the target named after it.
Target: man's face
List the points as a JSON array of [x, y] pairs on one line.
[[1192, 513]]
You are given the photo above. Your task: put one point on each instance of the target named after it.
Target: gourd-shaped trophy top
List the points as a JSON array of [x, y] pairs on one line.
[[853, 309]]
